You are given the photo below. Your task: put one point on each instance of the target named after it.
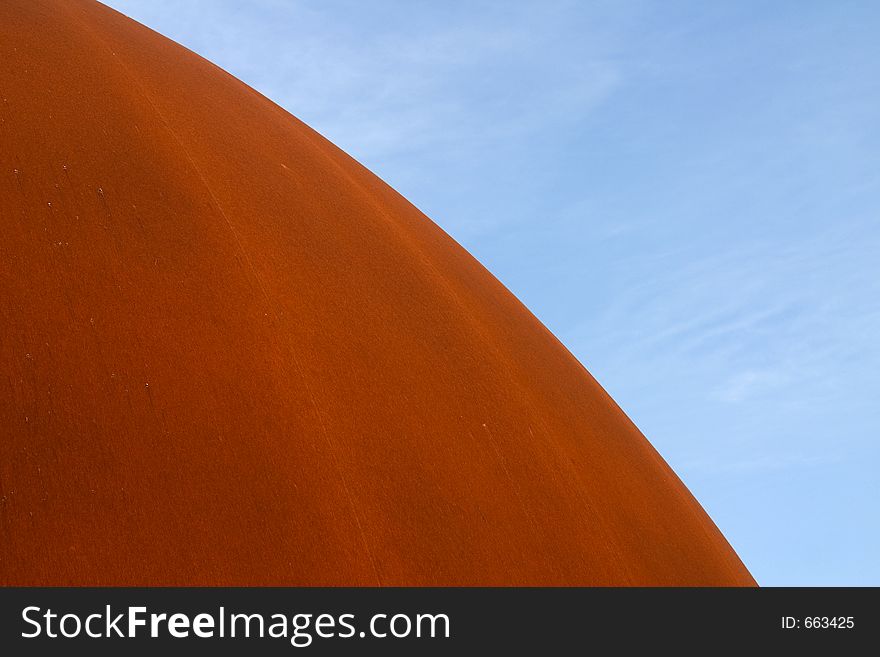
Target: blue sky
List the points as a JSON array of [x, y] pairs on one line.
[[686, 193]]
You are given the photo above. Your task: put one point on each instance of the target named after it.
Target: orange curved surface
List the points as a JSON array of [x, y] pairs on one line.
[[233, 356]]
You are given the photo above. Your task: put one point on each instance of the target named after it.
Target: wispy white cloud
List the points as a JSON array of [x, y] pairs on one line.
[[748, 383]]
